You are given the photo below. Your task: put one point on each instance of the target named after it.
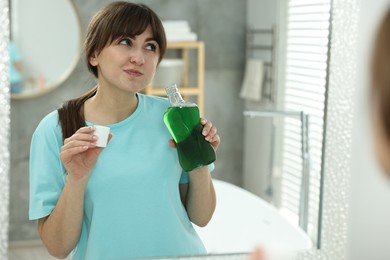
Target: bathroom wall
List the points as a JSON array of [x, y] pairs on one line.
[[258, 147], [220, 24]]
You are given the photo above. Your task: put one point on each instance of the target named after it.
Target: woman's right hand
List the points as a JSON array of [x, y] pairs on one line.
[[257, 254], [80, 153]]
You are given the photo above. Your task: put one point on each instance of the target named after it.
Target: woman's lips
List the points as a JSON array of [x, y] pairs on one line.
[[134, 73]]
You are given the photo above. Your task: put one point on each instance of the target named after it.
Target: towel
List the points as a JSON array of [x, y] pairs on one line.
[[176, 26], [252, 85], [173, 37], [178, 30]]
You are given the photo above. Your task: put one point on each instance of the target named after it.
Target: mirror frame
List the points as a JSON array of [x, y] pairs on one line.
[[337, 164], [4, 129], [339, 115], [69, 69]]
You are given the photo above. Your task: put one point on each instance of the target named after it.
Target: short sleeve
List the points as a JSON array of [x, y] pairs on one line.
[[184, 178], [14, 53], [47, 175]]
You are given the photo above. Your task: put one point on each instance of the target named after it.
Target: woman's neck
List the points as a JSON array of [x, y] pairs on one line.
[[108, 108]]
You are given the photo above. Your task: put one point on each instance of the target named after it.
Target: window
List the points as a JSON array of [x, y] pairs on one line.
[[305, 84]]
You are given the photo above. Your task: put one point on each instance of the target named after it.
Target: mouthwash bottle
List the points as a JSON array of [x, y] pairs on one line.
[[183, 122]]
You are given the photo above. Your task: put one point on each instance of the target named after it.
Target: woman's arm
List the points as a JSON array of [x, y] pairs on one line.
[[60, 231], [199, 197]]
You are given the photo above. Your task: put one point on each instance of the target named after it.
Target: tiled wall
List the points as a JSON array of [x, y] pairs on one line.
[[220, 24]]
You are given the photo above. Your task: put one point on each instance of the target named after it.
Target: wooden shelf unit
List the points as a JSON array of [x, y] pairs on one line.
[[186, 89]]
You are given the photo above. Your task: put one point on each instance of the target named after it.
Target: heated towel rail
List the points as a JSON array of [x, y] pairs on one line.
[[262, 43]]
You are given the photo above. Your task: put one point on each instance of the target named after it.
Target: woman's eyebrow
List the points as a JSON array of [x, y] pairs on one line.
[[150, 39]]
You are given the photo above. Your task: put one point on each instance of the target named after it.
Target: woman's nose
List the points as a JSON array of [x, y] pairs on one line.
[[137, 57]]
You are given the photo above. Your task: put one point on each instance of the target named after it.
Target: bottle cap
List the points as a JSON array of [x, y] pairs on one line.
[[171, 89]]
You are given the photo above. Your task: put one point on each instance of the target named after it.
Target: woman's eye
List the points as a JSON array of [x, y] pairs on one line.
[[125, 42], [151, 46]]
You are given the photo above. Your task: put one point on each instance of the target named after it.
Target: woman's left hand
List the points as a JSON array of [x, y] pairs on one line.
[[210, 133]]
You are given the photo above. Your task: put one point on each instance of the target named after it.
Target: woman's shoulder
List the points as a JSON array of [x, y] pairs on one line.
[[49, 123], [154, 100], [50, 118]]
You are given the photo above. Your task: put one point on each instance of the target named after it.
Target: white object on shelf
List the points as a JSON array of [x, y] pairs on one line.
[[176, 37], [169, 71], [176, 26], [178, 31]]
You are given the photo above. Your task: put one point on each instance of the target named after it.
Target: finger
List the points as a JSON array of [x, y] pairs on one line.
[[215, 142], [67, 154], [206, 128], [81, 137], [172, 143], [86, 129], [257, 254], [215, 138], [212, 132], [74, 144]]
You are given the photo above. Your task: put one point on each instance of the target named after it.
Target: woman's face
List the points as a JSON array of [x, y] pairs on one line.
[[381, 142], [128, 64]]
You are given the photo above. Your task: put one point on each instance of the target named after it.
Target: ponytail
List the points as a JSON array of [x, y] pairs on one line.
[[71, 114]]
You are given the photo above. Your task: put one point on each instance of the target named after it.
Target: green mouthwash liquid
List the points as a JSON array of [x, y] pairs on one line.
[[183, 122]]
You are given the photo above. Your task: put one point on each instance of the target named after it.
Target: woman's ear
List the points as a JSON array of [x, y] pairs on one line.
[[93, 61]]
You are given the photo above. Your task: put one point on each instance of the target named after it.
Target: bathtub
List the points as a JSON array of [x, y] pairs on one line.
[[243, 221]]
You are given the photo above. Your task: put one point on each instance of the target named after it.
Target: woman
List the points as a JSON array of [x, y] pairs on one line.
[[380, 93], [130, 199]]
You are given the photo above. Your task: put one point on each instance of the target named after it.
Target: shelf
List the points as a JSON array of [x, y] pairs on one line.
[[186, 89], [184, 45]]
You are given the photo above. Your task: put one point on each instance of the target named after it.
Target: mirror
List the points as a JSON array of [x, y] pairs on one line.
[[224, 74], [45, 44]]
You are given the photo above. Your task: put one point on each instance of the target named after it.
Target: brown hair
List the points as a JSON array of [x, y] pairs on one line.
[[380, 73], [118, 19]]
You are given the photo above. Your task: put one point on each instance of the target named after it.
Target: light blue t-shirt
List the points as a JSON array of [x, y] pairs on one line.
[[132, 203]]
